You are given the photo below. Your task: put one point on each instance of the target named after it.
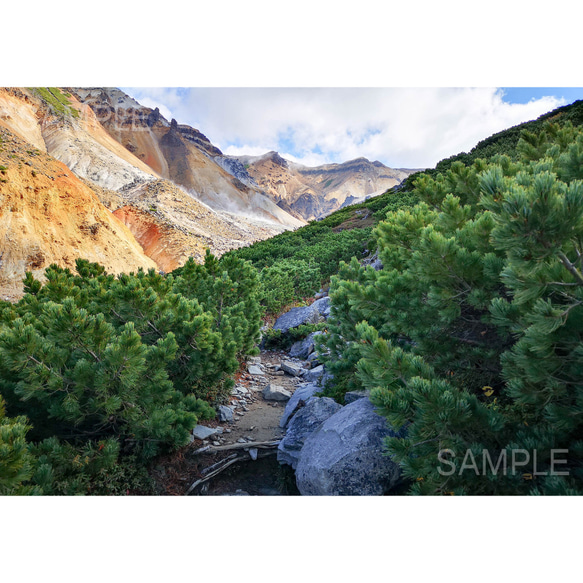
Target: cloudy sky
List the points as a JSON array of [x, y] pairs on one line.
[[403, 128]]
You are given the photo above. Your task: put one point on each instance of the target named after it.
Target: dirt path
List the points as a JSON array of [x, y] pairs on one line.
[[257, 419], [254, 420]]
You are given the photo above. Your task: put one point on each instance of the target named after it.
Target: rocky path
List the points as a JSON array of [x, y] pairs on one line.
[[248, 418]]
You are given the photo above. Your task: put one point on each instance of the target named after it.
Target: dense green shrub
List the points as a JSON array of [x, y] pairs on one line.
[[472, 334], [16, 462], [108, 367], [286, 281]]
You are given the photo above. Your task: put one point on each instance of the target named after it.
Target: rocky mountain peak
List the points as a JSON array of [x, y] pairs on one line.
[[277, 159]]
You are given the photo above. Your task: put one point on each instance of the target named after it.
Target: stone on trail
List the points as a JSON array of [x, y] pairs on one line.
[[253, 453], [314, 374], [225, 413], [275, 393], [291, 368], [203, 432], [303, 348], [300, 396], [254, 370]]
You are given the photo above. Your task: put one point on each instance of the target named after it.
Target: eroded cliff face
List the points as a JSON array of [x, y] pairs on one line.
[[47, 215], [314, 192], [181, 154], [172, 226], [169, 222]]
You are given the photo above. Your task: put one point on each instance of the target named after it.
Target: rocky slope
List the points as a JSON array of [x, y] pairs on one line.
[[172, 226], [47, 215], [313, 192], [179, 153], [168, 222]]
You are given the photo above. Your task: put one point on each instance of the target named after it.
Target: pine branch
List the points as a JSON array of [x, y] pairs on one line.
[[565, 261]]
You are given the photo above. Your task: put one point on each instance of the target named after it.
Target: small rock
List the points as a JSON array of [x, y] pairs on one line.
[[225, 413], [241, 440], [276, 393], [254, 370], [254, 360], [202, 432], [352, 396], [291, 368], [315, 373], [253, 453]]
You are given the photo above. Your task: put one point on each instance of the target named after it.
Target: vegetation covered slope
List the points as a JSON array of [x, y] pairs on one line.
[[471, 336]]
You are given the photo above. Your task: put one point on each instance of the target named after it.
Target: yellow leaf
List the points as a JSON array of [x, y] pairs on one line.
[[488, 391], [527, 476]]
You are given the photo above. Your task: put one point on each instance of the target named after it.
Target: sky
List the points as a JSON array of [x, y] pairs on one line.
[[400, 127]]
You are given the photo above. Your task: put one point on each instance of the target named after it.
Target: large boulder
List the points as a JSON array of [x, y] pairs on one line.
[[303, 348], [300, 396], [344, 456], [311, 314], [302, 424]]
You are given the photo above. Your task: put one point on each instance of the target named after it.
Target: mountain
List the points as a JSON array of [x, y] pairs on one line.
[[314, 192], [168, 221], [164, 190], [48, 215], [180, 154]]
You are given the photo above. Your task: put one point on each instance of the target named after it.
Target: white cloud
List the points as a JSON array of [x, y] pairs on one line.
[[400, 127]]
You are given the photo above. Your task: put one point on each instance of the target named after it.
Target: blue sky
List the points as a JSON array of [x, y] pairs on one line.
[[525, 94], [401, 127]]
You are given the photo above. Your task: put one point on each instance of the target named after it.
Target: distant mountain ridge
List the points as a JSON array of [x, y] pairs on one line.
[[314, 192], [186, 156], [178, 153]]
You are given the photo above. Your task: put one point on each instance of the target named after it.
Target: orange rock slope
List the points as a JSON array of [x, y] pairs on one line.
[[47, 215]]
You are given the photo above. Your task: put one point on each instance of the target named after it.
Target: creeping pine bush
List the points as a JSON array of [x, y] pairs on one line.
[[108, 367], [286, 281], [472, 334]]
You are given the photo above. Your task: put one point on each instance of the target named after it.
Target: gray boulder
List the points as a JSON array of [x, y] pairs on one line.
[[303, 348], [344, 455], [352, 396], [300, 396], [253, 369], [275, 393], [323, 306], [296, 317], [314, 373], [304, 422], [225, 413]]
